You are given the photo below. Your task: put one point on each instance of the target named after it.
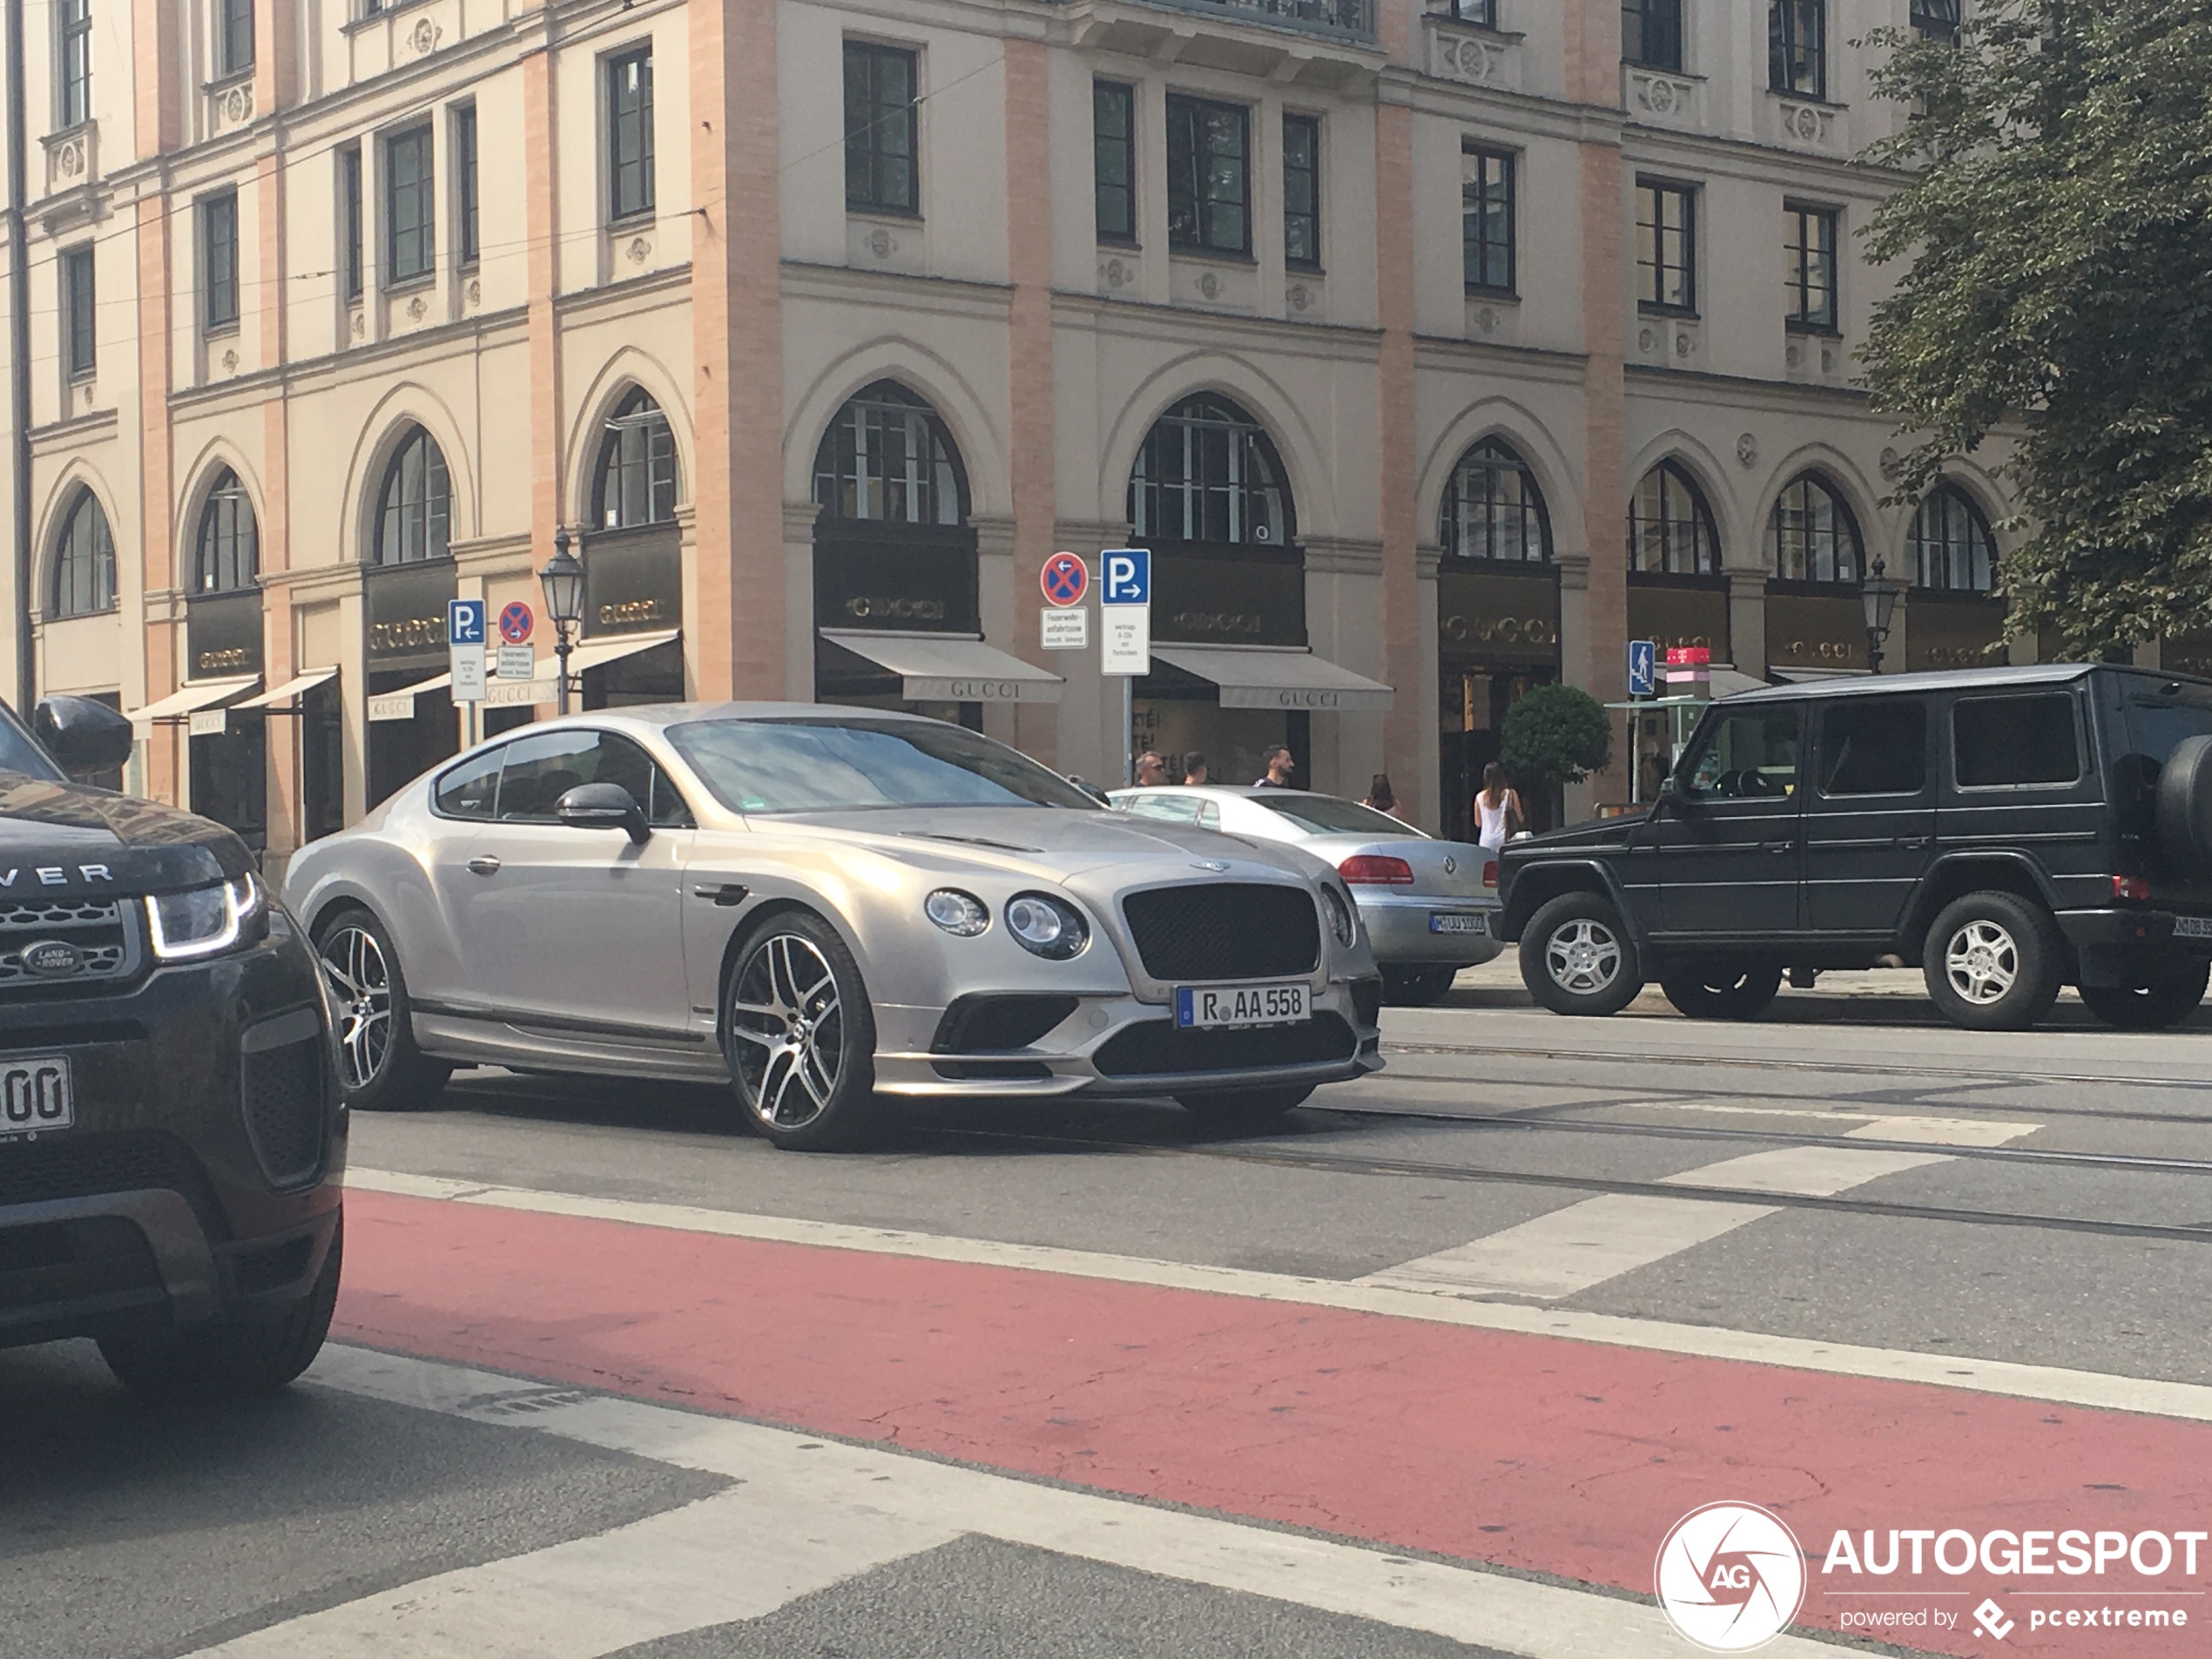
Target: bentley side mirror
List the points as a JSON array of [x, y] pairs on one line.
[[85, 737], [604, 807]]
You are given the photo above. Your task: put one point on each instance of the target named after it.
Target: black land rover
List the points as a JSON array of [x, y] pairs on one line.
[[2011, 831], [171, 1139]]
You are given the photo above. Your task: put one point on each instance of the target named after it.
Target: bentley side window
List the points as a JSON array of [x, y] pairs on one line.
[[470, 788], [1747, 756]]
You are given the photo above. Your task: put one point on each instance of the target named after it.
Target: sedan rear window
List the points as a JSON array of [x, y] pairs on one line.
[[1998, 742], [816, 766], [1327, 815]]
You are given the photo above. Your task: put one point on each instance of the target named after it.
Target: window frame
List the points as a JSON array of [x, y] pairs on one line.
[[433, 513], [1124, 148], [1946, 28], [1917, 545], [353, 245], [220, 300], [1703, 741], [1823, 776], [468, 229], [2081, 751], [1509, 181], [1497, 456], [80, 275], [1672, 63], [422, 187], [99, 553], [225, 495], [1846, 518], [875, 198], [1476, 13], [1788, 53], [1804, 257], [927, 472], [1251, 471], [1671, 473], [629, 151], [1310, 127], [622, 456], [234, 22], [72, 63], [1189, 109], [1652, 195]]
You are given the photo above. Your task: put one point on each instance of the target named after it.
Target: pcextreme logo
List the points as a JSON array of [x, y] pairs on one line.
[[1731, 1576]]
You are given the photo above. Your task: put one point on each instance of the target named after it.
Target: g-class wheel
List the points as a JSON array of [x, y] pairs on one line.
[[1992, 962], [1577, 956], [2162, 1000], [1721, 990]]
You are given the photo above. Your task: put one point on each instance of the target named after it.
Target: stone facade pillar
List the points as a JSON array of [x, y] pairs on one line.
[[1407, 730], [1032, 727], [156, 51]]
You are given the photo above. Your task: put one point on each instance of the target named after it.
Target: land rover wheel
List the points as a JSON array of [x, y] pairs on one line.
[[1577, 957], [235, 1358], [801, 1036], [1992, 962], [379, 1066], [1721, 990], [2161, 1000]]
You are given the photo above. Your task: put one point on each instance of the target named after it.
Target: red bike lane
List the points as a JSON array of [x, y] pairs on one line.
[[1545, 1454]]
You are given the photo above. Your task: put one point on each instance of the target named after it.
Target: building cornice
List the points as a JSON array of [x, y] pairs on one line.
[[947, 296], [1539, 362], [74, 433], [1195, 327], [1736, 391]]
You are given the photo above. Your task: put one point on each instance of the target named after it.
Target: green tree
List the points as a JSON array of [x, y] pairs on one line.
[[1556, 734], [2057, 217]]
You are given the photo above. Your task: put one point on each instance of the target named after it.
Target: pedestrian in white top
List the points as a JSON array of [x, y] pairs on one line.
[[1497, 809]]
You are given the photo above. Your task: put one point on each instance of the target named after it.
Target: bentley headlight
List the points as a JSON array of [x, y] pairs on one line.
[[207, 921], [1342, 922], [1047, 927], [956, 912]]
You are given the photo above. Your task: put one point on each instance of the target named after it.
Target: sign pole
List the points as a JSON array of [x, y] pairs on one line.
[[1125, 634]]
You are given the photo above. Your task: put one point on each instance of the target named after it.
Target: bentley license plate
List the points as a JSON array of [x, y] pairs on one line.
[[1203, 1007], [1445, 921], [35, 1095], [2193, 927]]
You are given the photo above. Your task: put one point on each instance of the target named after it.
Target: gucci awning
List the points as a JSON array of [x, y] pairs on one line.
[[399, 706], [1253, 677], [190, 698], [950, 668], [286, 699]]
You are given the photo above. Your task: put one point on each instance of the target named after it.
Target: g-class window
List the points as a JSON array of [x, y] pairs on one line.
[[1748, 755], [2009, 742], [1874, 747]]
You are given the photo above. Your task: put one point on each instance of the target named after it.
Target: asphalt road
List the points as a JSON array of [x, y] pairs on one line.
[[1848, 1176]]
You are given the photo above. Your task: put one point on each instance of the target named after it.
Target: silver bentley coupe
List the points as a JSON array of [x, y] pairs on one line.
[[828, 908]]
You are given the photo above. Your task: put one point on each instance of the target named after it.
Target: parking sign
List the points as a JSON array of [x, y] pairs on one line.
[[1128, 572]]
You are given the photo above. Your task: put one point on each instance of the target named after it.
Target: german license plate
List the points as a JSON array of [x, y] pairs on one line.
[[36, 1096], [2193, 927], [1446, 921], [1209, 1008]]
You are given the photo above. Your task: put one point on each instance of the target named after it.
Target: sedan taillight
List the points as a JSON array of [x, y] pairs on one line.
[[1376, 870], [1490, 874]]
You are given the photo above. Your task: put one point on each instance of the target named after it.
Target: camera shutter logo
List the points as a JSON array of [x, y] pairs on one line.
[[1730, 1577]]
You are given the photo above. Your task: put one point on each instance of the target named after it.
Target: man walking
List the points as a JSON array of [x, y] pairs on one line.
[[1279, 768], [1151, 771]]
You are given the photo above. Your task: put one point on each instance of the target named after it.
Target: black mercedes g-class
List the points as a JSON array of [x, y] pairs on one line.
[[170, 1136], [2009, 831]]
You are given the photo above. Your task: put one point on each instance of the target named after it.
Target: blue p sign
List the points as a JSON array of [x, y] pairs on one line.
[[464, 621], [1128, 576]]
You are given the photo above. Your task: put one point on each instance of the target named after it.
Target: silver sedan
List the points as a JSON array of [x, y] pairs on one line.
[[827, 908], [1429, 905]]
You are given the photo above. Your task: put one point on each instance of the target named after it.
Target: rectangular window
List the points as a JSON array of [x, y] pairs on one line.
[[1486, 216], [1797, 47], [219, 262], [74, 62], [1209, 176], [2004, 742], [630, 134], [1666, 247], [1937, 20], [1874, 747], [1651, 33], [1809, 266], [465, 231], [1302, 191], [1113, 140], [1483, 13], [80, 313], [349, 221], [1748, 754], [235, 27], [410, 207], [882, 130]]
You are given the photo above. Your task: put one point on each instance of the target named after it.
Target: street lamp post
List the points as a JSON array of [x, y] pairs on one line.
[[563, 580], [1878, 594]]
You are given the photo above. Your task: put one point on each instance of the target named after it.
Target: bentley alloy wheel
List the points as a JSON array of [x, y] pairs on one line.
[[801, 1036], [379, 1066]]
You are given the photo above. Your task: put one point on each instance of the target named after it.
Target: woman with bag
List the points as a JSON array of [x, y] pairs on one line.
[[1498, 815]]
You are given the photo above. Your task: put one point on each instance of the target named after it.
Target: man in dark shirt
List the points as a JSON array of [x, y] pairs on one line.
[[1279, 768]]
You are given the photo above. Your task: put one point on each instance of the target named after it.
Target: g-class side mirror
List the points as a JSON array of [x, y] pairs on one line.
[[85, 737]]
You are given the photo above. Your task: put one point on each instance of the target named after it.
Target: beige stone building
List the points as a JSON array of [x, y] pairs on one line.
[[1436, 348]]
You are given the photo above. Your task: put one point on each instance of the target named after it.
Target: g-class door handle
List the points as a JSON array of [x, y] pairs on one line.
[[1781, 846], [483, 864], [1913, 843]]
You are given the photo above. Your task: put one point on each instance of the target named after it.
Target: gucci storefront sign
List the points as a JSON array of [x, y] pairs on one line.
[[1501, 619], [1807, 630], [633, 582], [223, 636], [405, 616]]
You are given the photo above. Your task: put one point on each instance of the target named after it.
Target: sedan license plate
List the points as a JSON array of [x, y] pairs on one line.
[[2193, 927], [1445, 921], [1205, 1007], [36, 1096]]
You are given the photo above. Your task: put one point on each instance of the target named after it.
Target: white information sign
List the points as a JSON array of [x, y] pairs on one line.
[[517, 663], [468, 673], [1067, 629]]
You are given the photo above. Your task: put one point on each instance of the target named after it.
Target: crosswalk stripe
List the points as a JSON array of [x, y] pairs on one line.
[[877, 1504]]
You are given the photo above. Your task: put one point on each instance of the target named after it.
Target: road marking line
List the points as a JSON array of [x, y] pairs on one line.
[[2099, 1390], [884, 1495], [1915, 1130], [1803, 1171]]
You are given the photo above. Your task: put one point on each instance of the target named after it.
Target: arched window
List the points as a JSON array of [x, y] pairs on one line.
[[1952, 546], [85, 560], [1812, 537], [637, 466], [1670, 528], [888, 457], [228, 551], [1208, 472], [414, 508], [1493, 508]]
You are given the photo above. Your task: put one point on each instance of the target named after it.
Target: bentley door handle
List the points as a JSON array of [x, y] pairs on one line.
[[724, 893], [483, 864]]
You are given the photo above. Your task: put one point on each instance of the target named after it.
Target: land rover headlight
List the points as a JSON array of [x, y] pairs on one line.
[[207, 921]]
